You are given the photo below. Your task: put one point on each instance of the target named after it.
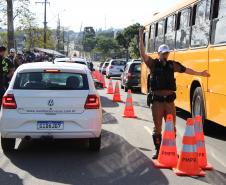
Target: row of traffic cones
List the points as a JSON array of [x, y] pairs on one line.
[[192, 159], [129, 109], [99, 77]]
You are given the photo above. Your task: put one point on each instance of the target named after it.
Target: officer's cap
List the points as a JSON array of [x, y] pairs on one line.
[[164, 49]]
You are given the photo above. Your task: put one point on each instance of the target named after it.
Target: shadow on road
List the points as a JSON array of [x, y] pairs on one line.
[[7, 178], [69, 162], [214, 177], [214, 130], [108, 118], [106, 102]]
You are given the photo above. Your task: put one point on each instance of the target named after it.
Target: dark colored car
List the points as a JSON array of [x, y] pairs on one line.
[[131, 76]]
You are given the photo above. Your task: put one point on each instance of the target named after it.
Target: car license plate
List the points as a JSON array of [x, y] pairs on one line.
[[50, 125]]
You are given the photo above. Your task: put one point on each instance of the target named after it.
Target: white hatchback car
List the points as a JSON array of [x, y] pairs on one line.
[[115, 68], [51, 100]]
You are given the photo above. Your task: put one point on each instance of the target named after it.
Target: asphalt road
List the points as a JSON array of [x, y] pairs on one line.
[[124, 159]]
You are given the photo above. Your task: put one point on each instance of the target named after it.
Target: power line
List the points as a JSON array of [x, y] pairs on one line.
[[45, 22]]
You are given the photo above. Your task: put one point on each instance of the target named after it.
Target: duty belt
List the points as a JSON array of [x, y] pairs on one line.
[[169, 98]]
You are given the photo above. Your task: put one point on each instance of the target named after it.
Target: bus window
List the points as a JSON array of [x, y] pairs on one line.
[[201, 24], [146, 37], [183, 29], [170, 32], [160, 34], [219, 22], [152, 38]]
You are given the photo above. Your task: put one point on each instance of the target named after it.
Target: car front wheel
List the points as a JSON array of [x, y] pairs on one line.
[[95, 144], [8, 144]]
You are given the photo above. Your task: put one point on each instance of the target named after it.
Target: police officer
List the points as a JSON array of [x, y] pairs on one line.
[[6, 69], [163, 86], [2, 88], [19, 59], [12, 55]]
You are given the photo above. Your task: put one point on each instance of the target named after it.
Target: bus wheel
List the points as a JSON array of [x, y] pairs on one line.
[[198, 107]]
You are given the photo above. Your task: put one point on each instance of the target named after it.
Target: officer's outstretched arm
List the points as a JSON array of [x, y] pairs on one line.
[[145, 57], [193, 72]]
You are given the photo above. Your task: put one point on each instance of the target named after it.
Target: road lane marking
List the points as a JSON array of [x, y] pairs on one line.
[[148, 130]]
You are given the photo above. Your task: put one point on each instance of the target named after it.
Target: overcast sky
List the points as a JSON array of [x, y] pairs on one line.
[[117, 13]]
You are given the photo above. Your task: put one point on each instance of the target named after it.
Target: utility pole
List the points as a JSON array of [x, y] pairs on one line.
[[58, 34], [68, 43], [63, 41], [45, 22], [10, 25], [105, 22]]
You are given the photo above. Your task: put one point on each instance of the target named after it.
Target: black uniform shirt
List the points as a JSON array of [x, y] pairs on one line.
[[1, 73], [178, 67]]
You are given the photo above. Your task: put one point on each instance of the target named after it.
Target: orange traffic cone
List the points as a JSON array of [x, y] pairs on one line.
[[94, 74], [110, 87], [188, 160], [99, 77], [129, 109], [116, 97], [103, 81], [168, 151], [202, 159]]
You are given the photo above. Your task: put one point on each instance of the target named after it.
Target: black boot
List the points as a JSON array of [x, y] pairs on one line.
[[157, 139]]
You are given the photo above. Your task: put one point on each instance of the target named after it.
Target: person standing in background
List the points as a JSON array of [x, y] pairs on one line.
[[12, 55]]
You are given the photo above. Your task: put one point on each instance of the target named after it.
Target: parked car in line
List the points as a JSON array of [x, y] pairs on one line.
[[51, 100], [103, 69], [115, 68], [130, 78]]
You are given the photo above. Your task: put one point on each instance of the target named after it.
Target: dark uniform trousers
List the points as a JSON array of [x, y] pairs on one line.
[[160, 110]]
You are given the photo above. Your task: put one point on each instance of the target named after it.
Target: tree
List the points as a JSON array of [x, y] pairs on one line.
[[89, 40], [128, 39], [133, 48], [3, 38], [33, 34], [10, 24], [29, 27], [13, 9], [106, 46]]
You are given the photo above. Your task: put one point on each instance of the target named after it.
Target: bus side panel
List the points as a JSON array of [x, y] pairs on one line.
[[216, 97], [197, 60]]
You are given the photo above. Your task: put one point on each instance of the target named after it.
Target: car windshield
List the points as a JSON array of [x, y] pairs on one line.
[[51, 81], [118, 63], [136, 68], [106, 64]]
